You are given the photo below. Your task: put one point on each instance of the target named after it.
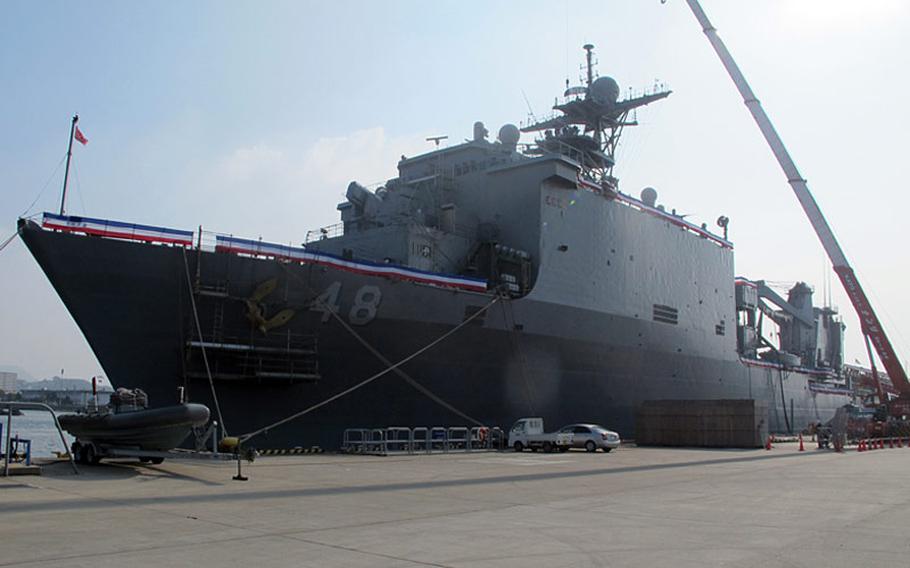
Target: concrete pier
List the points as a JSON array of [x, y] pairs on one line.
[[632, 507]]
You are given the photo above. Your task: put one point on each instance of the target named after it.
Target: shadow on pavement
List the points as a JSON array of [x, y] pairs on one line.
[[113, 501]]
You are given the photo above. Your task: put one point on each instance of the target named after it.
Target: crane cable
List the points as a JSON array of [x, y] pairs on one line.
[[389, 368]]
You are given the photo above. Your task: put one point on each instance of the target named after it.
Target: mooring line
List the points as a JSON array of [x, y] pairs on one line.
[[407, 378], [205, 358], [391, 367], [9, 240]]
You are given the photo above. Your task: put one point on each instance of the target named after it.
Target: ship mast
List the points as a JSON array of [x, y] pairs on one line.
[[587, 126], [589, 48], [69, 155], [598, 128]]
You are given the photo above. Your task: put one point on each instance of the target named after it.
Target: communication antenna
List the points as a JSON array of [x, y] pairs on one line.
[[527, 102], [437, 139]]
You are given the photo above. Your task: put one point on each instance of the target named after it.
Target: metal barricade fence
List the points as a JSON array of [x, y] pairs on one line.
[[497, 439], [439, 438], [421, 439], [354, 440], [377, 442], [457, 438], [399, 439]]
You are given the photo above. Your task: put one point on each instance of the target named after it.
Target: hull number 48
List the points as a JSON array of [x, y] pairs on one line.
[[363, 309]]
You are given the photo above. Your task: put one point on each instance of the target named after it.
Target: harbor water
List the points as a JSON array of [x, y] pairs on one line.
[[37, 426]]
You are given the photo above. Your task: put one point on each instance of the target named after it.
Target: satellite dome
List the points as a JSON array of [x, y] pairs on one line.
[[509, 135], [649, 196], [605, 90]]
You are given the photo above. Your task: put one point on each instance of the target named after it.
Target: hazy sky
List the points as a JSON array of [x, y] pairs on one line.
[[252, 117]]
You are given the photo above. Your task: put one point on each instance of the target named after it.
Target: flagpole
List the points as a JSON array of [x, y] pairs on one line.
[[69, 154]]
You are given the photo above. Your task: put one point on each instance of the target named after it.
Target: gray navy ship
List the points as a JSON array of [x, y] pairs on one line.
[[496, 279]]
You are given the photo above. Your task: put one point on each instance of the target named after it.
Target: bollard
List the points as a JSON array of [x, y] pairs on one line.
[[214, 434], [239, 476]]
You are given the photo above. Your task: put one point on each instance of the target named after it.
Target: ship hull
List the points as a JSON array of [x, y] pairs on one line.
[[138, 305]]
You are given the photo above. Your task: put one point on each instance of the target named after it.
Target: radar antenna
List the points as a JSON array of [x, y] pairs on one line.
[[437, 139], [588, 124]]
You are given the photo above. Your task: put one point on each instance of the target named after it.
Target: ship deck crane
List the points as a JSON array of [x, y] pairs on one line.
[[869, 322]]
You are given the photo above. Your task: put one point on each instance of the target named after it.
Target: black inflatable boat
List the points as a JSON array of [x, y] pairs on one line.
[[126, 422]]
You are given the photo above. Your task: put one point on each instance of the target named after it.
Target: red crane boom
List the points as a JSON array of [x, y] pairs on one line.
[[871, 327]]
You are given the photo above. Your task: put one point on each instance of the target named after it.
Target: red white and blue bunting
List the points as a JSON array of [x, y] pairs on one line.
[[116, 229], [295, 254]]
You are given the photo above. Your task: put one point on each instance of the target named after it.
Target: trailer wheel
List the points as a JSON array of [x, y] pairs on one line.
[[89, 455], [590, 446], [547, 447], [518, 446]]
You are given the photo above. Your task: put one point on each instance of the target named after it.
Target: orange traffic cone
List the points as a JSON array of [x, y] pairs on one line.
[[768, 442], [861, 447], [801, 448], [899, 445], [891, 443]]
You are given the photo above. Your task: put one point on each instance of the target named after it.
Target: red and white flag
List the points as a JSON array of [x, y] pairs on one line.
[[80, 137]]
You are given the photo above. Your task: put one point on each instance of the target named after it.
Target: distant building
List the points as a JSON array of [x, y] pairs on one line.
[[8, 382], [65, 399], [61, 384]]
